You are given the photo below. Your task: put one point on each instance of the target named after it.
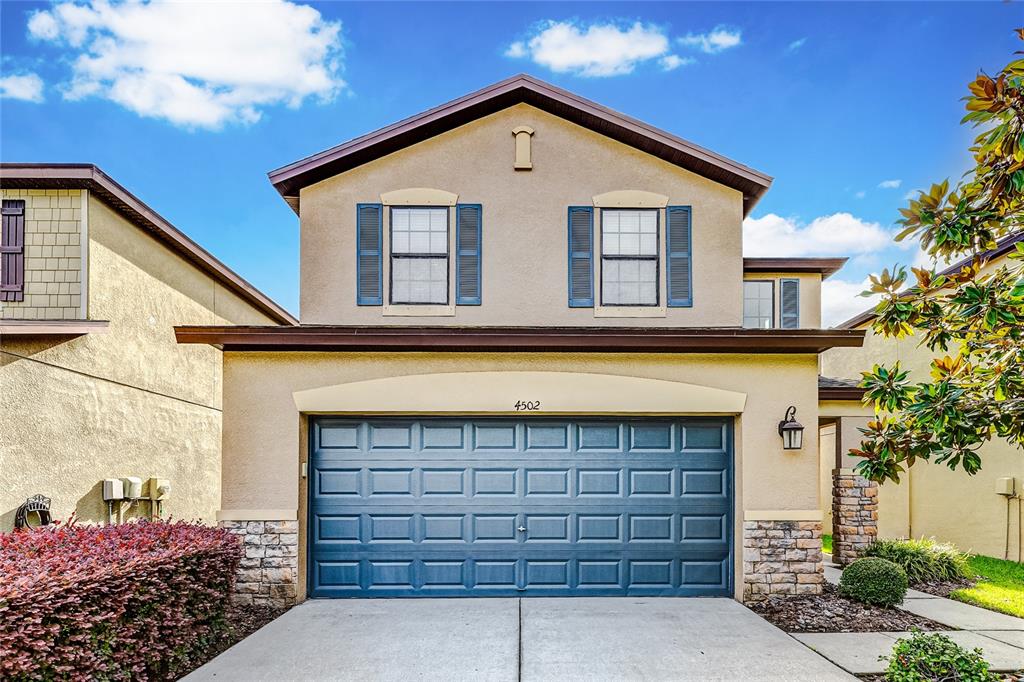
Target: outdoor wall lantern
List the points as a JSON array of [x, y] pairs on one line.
[[791, 430]]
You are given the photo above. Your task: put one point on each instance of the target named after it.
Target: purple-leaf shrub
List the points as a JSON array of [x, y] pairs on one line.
[[129, 601]]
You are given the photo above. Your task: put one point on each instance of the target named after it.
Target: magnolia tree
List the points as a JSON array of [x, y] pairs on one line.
[[972, 320]]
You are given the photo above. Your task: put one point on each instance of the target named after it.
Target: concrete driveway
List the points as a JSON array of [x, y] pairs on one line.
[[520, 639]]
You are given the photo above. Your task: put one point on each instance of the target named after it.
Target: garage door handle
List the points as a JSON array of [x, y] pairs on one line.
[[521, 529]]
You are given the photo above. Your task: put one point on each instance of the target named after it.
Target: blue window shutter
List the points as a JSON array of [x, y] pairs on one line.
[[369, 254], [581, 257], [468, 255], [680, 267], [789, 303]]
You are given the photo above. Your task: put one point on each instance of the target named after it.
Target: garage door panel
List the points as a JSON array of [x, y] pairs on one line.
[[499, 508], [519, 577], [438, 483]]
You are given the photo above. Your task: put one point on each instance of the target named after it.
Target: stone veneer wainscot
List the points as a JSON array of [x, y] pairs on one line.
[[781, 558], [854, 515], [269, 572]]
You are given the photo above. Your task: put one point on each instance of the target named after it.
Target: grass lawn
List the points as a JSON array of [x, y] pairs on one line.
[[826, 543], [1001, 587]]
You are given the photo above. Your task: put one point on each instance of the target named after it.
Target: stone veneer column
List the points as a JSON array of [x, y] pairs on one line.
[[269, 572], [854, 515], [781, 558]]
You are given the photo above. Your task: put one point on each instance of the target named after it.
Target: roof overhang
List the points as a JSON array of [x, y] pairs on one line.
[[826, 267], [290, 179], [520, 339], [89, 177], [52, 327], [835, 393], [1003, 247]]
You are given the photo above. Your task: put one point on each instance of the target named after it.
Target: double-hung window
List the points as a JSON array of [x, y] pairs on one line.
[[629, 257], [419, 255], [759, 304]]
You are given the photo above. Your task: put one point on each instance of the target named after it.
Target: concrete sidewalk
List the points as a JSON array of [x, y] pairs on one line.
[[616, 638], [999, 636]]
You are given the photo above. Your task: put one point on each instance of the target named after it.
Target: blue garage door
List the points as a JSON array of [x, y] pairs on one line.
[[474, 507]]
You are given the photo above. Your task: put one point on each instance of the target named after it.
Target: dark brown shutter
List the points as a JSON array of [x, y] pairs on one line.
[[369, 254], [581, 257], [468, 224], [789, 295], [12, 251], [680, 269]]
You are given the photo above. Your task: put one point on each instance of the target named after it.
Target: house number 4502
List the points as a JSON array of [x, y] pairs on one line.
[[527, 405]]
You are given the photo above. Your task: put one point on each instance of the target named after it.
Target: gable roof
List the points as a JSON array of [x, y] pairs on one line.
[[288, 180], [90, 177], [1003, 247]]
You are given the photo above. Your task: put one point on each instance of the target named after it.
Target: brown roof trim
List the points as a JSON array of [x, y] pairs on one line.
[[519, 89], [90, 177], [52, 327], [521, 339], [1003, 247], [834, 393], [830, 388], [825, 266]]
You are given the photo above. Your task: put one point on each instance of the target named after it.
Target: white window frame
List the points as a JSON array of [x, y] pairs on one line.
[[761, 299], [430, 255], [655, 257]]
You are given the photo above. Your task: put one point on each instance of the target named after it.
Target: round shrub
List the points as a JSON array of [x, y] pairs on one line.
[[933, 658], [874, 581], [924, 560]]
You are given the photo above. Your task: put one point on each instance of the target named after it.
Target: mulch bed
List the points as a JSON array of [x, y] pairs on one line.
[[830, 612], [941, 588], [242, 621]]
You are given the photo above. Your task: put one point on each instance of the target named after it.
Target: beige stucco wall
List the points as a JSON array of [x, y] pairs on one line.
[[524, 223], [810, 295], [127, 402], [931, 500], [53, 255], [263, 441]]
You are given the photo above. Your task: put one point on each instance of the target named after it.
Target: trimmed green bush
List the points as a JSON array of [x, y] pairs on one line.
[[933, 657], [874, 581], [923, 560]]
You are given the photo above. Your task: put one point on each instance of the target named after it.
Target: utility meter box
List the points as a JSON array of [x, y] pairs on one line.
[[132, 487], [113, 489], [159, 488], [1004, 486]]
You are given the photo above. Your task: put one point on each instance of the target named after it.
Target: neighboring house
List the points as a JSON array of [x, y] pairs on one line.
[[523, 369], [931, 500], [92, 383]]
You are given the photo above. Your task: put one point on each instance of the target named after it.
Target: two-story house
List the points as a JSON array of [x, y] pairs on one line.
[[92, 383], [532, 361]]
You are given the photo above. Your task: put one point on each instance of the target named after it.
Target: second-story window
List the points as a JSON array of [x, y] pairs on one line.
[[758, 304], [419, 255], [629, 257]]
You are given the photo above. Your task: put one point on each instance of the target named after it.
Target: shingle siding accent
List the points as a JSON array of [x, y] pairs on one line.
[[53, 255]]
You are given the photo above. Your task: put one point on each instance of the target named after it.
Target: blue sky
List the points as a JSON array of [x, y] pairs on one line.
[[848, 106]]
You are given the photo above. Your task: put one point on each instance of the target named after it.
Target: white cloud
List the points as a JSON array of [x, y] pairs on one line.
[[912, 194], [860, 195], [841, 300], [196, 64], [796, 44], [595, 50], [27, 87], [673, 61], [890, 184], [718, 39], [516, 50], [839, 234]]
